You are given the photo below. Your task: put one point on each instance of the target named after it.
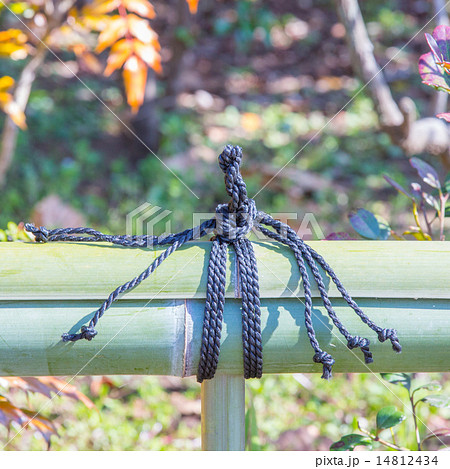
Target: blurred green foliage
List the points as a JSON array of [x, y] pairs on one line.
[[291, 412]]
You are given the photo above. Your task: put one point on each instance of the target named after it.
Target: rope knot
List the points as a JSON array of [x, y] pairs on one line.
[[232, 225], [87, 332], [41, 234], [363, 344], [229, 162], [236, 219], [390, 334], [327, 361]]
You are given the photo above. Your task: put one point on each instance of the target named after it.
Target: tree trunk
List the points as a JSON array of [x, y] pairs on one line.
[[56, 13], [428, 135], [21, 96], [364, 62]]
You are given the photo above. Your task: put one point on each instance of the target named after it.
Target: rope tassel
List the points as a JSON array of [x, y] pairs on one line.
[[232, 223]]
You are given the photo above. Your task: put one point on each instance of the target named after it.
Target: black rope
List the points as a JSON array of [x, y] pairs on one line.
[[232, 223]]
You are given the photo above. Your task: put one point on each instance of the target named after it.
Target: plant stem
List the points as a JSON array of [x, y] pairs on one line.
[[443, 199], [393, 436], [381, 441], [416, 218], [424, 213], [416, 428]]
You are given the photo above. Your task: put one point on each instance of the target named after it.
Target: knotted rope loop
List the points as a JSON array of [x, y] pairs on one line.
[[363, 343], [234, 225], [390, 334], [87, 332], [231, 224], [41, 234], [229, 162], [327, 361]]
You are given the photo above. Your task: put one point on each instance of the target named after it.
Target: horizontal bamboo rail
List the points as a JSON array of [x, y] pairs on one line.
[[48, 289]]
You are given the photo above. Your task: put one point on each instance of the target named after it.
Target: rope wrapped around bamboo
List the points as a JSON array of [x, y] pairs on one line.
[[233, 222]]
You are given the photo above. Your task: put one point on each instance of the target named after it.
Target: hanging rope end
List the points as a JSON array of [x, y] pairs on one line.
[[327, 361], [363, 344], [390, 334], [87, 332]]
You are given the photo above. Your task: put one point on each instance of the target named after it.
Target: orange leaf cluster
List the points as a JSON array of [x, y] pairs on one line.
[[45, 385], [9, 413], [133, 44], [7, 103], [13, 43], [26, 418]]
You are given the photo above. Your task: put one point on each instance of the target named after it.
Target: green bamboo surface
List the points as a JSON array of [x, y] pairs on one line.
[[49, 289], [223, 413]]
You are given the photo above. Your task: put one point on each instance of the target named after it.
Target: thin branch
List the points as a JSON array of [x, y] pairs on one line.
[[399, 120], [361, 49], [56, 15], [381, 441], [416, 427], [21, 95], [443, 199]]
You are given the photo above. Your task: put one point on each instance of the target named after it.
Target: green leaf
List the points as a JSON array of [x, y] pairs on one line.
[[388, 417], [437, 400], [417, 192], [426, 172], [430, 200], [397, 186], [12, 227], [365, 223], [385, 229], [433, 386], [349, 442], [398, 378]]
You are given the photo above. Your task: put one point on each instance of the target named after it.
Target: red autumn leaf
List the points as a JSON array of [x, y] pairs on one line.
[[433, 66], [444, 115]]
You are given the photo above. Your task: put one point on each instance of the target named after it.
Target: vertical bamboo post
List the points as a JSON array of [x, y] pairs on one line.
[[223, 413]]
